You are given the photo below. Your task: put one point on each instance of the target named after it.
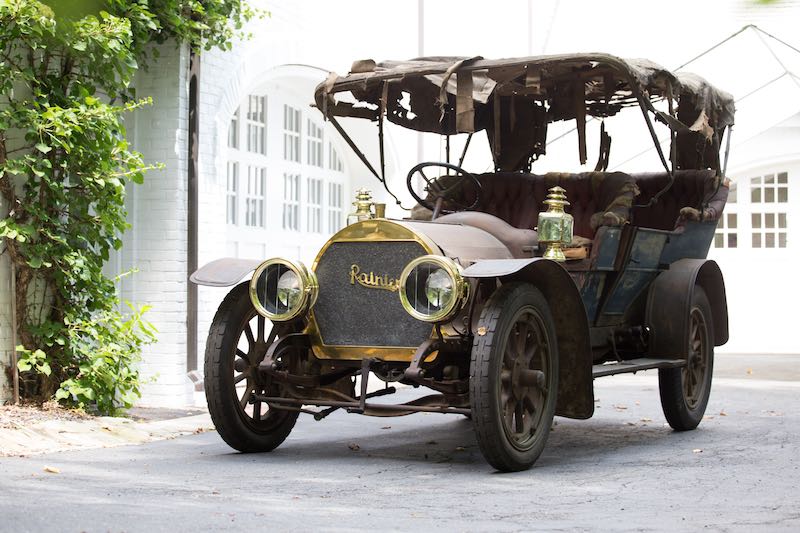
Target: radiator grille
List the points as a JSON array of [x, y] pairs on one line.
[[349, 314]]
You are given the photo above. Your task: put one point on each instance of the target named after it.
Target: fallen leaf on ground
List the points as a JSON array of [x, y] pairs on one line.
[[386, 427], [459, 448], [697, 450], [708, 417], [723, 413], [620, 407], [353, 446], [52, 470], [645, 419], [431, 442], [749, 371]]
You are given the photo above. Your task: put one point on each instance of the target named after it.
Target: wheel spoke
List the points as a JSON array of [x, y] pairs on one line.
[[522, 337], [243, 355], [261, 326], [257, 410], [239, 378], [508, 414], [519, 415], [248, 389], [509, 356], [248, 331]]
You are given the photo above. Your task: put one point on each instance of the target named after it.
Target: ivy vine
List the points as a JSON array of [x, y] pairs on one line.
[[65, 73]]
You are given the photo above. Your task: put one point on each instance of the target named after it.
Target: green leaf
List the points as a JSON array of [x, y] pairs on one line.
[[35, 262], [43, 148]]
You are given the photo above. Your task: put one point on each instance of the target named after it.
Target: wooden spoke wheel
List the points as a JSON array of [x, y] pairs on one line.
[[237, 343], [685, 391], [514, 377]]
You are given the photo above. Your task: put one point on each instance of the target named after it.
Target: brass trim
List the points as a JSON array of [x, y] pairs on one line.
[[460, 286], [309, 288], [373, 230], [377, 230]]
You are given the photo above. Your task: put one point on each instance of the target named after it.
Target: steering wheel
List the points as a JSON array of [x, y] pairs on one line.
[[443, 188]]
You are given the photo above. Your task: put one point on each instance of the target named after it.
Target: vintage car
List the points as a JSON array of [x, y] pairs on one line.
[[507, 293]]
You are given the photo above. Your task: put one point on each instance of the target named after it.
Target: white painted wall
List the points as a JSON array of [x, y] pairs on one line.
[[157, 210]]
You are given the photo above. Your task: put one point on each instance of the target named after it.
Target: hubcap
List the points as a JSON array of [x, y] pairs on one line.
[[523, 378]]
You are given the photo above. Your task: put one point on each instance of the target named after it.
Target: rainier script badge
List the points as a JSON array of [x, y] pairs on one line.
[[371, 281]]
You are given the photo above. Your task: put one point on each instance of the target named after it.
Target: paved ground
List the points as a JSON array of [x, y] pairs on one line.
[[621, 470]]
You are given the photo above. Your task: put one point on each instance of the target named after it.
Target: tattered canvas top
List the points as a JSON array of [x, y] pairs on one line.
[[420, 94], [449, 95]]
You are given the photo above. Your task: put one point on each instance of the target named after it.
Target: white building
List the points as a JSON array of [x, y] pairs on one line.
[[274, 179]]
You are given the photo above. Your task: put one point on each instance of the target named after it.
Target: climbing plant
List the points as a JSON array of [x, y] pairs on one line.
[[66, 68]]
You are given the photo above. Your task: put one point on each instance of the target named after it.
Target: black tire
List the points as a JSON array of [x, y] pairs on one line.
[[685, 391], [513, 388], [241, 424]]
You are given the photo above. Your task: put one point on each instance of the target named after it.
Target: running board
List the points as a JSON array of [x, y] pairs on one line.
[[634, 365]]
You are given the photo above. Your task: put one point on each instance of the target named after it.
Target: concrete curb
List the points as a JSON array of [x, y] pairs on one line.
[[102, 432]]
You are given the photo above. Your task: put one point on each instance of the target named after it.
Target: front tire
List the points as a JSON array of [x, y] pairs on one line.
[[685, 391], [514, 377], [237, 343]]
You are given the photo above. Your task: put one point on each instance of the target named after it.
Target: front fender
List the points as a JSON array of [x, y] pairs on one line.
[[224, 272], [575, 390]]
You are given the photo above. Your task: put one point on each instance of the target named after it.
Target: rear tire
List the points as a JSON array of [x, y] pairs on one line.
[[685, 391], [514, 377], [233, 353]]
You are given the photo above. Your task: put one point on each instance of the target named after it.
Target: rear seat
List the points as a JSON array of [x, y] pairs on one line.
[[693, 189], [596, 198]]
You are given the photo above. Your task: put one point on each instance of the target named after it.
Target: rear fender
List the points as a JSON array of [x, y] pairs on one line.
[[669, 302], [575, 390], [224, 272]]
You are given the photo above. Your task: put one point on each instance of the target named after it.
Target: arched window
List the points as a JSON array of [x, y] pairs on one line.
[[284, 171]]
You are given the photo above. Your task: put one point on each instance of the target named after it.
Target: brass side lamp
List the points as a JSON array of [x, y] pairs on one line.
[[363, 205], [555, 225]]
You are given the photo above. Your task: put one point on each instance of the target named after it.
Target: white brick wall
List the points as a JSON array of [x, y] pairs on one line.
[[156, 244]]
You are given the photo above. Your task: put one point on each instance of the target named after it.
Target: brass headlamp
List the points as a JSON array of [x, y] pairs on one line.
[[555, 225]]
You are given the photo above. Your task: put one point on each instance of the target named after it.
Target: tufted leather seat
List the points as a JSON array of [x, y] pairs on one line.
[[596, 199], [691, 189], [517, 198]]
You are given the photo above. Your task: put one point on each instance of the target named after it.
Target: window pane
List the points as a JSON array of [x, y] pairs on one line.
[[783, 195], [732, 220], [755, 195], [769, 178], [732, 240], [757, 180], [769, 195], [756, 240], [755, 219], [732, 194], [782, 220], [233, 131], [718, 240], [770, 240], [781, 240], [783, 177], [769, 220]]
